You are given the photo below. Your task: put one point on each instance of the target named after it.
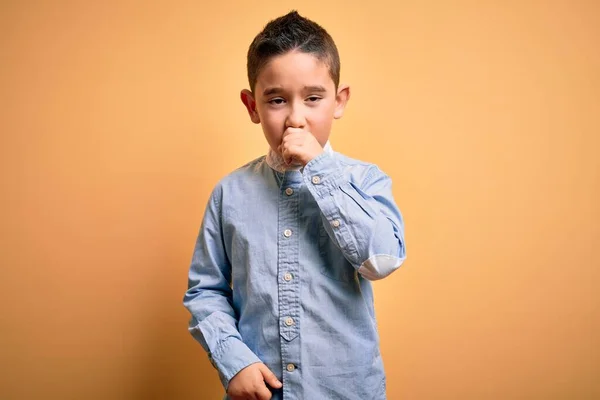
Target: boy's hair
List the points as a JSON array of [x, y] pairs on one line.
[[288, 33]]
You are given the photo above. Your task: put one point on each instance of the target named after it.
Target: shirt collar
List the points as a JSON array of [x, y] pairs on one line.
[[276, 162]]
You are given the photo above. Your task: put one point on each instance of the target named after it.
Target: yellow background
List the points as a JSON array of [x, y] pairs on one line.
[[118, 117]]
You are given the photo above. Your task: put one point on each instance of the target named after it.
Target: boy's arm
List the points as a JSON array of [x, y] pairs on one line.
[[208, 299], [364, 221]]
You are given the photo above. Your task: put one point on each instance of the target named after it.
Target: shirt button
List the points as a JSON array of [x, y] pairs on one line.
[[289, 191], [316, 180], [335, 223], [290, 367], [287, 233], [289, 321], [287, 277]]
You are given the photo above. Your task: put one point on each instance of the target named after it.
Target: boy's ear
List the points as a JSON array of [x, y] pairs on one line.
[[248, 100], [341, 99]]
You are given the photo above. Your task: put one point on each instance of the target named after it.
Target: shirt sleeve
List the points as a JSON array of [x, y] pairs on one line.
[[361, 218], [213, 321]]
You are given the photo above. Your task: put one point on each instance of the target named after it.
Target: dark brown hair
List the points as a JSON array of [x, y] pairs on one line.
[[288, 33]]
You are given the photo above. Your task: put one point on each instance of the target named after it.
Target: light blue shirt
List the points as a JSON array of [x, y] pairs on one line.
[[281, 274]]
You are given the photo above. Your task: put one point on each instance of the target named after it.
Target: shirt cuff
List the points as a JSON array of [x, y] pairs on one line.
[[232, 356], [323, 175]]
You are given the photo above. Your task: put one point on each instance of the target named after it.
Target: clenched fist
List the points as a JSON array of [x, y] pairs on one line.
[[299, 146]]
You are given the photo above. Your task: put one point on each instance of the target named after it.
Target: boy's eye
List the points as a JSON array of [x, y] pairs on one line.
[[277, 101], [314, 99]]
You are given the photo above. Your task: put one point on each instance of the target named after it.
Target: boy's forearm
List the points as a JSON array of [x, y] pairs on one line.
[[363, 221]]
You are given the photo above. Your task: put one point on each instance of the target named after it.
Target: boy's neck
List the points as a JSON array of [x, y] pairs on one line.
[[276, 162]]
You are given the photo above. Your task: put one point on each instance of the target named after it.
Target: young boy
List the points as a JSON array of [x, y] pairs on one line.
[[279, 284]]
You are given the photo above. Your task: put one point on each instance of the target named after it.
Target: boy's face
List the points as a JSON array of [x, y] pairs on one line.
[[295, 90]]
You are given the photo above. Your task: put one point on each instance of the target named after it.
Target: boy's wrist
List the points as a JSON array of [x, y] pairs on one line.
[[318, 161]]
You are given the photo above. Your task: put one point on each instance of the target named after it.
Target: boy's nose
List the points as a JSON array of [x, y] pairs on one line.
[[295, 119]]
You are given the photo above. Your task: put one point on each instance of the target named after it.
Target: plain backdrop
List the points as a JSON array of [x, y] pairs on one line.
[[117, 118]]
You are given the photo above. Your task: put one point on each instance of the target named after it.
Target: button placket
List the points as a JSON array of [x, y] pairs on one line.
[[288, 326], [288, 264], [288, 283]]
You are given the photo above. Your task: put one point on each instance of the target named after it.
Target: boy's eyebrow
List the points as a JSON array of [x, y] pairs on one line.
[[319, 89], [272, 90], [275, 90]]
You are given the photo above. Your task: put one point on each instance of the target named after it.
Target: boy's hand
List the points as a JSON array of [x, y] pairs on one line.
[[299, 146], [249, 383]]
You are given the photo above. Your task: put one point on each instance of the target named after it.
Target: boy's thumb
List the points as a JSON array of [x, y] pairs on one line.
[[270, 377]]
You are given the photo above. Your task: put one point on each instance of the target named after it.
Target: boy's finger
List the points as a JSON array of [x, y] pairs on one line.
[[290, 131], [270, 377]]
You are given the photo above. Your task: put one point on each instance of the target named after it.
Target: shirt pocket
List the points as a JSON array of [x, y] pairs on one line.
[[333, 263]]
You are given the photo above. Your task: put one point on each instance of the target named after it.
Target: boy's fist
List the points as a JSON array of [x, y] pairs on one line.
[[299, 146], [249, 383]]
